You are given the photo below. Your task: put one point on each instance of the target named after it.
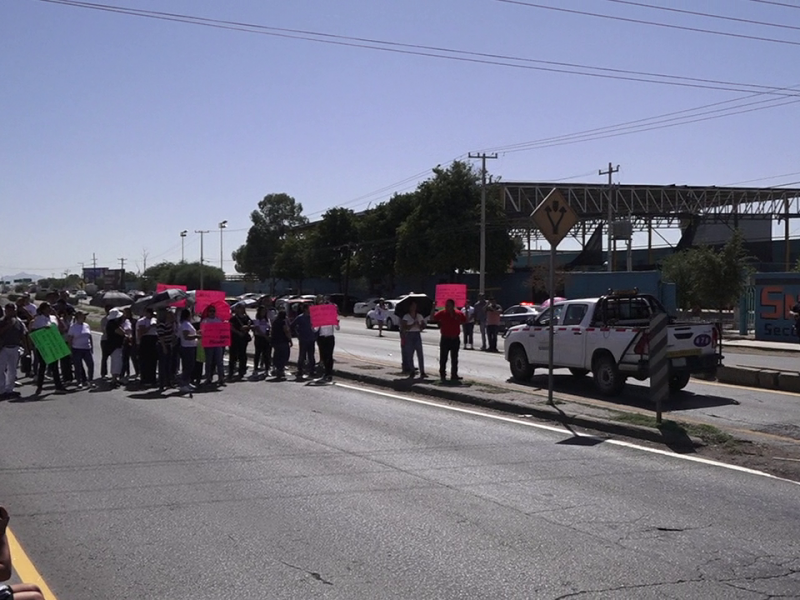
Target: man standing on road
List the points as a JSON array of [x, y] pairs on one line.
[[493, 311], [479, 315], [450, 321], [240, 338], [301, 326], [13, 337]]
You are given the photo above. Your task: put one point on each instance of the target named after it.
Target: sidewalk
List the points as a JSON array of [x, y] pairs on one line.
[[755, 374]]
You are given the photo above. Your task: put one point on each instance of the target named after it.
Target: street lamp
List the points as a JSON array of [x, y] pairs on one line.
[[202, 232], [222, 225], [183, 237]]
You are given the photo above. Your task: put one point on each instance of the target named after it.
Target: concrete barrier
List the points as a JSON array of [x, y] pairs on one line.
[[768, 379], [789, 382], [739, 376]]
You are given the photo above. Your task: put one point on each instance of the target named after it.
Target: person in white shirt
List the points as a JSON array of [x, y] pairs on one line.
[[188, 337], [261, 328], [79, 339], [326, 343], [380, 315], [147, 338], [411, 326]]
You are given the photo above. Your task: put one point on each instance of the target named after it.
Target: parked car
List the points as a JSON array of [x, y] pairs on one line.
[[361, 309], [392, 321], [519, 315], [344, 304]]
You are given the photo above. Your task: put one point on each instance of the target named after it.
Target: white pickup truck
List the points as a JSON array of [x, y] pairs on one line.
[[608, 337]]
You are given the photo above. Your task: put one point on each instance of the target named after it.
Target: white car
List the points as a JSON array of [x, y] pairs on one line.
[[361, 309], [391, 322]]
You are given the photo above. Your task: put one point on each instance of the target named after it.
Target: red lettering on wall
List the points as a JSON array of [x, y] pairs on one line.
[[775, 302]]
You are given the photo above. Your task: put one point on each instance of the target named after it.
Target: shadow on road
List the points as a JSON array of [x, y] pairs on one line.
[[633, 395]]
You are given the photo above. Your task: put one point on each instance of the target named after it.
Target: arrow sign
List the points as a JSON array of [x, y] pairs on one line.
[[554, 217]]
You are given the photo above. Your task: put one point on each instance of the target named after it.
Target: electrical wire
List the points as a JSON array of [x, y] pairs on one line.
[[784, 4], [651, 23], [704, 14], [436, 52], [764, 179]]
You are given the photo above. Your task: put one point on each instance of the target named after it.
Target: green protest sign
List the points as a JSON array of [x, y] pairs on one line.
[[50, 344]]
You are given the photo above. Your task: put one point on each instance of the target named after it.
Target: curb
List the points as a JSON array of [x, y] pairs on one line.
[[763, 378], [667, 437]]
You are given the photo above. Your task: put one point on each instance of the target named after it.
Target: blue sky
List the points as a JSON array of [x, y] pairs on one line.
[[118, 131]]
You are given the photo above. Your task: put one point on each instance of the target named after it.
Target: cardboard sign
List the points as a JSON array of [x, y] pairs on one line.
[[162, 287], [205, 298], [451, 291], [216, 335], [324, 314], [50, 344]]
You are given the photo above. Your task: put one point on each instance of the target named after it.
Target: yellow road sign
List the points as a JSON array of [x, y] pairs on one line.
[[554, 217]]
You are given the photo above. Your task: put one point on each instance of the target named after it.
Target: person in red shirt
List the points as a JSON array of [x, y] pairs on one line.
[[450, 321]]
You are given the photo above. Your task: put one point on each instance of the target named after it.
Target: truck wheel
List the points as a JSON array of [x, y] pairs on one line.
[[521, 369], [370, 324], [679, 380], [607, 378], [578, 372]]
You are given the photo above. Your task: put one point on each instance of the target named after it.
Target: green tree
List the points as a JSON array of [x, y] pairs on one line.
[[442, 234], [709, 278], [276, 216], [376, 255], [187, 274], [332, 244], [292, 261]]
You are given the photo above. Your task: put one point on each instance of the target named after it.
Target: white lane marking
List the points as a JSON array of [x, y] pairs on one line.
[[518, 421]]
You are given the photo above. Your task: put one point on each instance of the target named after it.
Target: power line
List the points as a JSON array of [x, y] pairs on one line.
[[704, 14], [651, 23], [764, 179], [435, 51], [784, 4]]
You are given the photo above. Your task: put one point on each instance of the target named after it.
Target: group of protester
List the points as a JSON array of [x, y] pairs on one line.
[[452, 324], [163, 347]]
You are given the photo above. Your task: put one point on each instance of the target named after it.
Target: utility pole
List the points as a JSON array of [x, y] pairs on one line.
[[483, 156], [202, 232], [122, 263], [183, 237], [222, 225], [610, 173]]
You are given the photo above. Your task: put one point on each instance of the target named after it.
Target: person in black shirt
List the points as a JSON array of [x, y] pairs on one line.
[[281, 338], [240, 338], [795, 311]]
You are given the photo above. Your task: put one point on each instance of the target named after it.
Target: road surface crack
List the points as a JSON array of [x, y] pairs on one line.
[[629, 587], [313, 574]]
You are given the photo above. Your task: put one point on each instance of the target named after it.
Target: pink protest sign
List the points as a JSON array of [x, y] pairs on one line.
[[205, 298], [451, 291], [324, 314], [163, 287], [216, 335]]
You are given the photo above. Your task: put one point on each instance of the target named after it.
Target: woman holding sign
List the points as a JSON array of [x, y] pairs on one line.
[[44, 318]]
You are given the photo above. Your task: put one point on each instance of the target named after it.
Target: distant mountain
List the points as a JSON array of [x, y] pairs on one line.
[[13, 278]]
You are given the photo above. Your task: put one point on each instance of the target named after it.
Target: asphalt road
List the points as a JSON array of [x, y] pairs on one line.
[[717, 404], [269, 490]]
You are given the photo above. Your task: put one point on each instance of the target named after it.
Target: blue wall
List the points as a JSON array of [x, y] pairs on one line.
[[591, 285], [776, 293]]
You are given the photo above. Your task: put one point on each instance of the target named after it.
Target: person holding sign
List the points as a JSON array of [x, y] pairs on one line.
[[213, 353], [450, 321], [43, 319], [326, 342]]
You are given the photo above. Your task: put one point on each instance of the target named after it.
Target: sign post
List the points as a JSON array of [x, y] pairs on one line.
[[659, 364], [554, 217]]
